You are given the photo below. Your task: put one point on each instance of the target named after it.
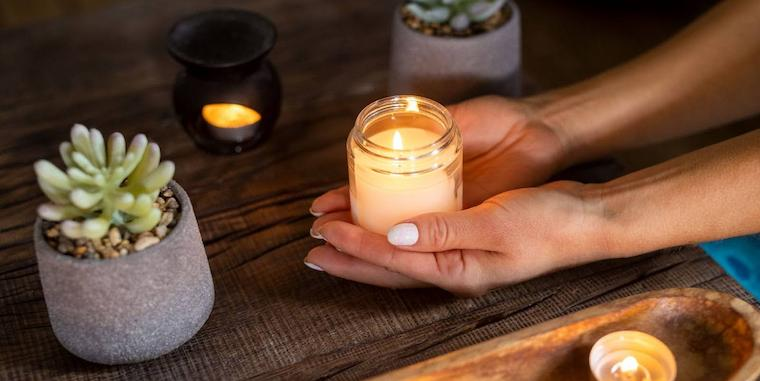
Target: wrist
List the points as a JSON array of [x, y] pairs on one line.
[[557, 111], [603, 225]]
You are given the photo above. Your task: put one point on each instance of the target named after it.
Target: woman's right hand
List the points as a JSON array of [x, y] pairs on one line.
[[506, 146], [511, 237]]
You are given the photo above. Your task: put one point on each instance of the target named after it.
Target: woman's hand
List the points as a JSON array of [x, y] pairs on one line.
[[511, 237], [505, 147]]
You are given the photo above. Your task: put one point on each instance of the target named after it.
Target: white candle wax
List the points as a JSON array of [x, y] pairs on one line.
[[417, 174]]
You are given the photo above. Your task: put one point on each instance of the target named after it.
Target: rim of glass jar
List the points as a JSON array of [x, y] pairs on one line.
[[399, 103]]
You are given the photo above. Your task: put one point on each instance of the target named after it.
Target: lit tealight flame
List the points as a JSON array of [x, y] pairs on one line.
[[629, 364], [628, 369], [229, 115], [398, 143], [411, 105]]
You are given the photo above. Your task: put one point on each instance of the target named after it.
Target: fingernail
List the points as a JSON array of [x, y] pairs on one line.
[[405, 234], [316, 214], [312, 266], [315, 234]]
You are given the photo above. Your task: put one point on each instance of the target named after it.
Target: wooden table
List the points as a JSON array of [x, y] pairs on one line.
[[273, 317]]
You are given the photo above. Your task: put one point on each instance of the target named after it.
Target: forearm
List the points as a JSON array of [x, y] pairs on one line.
[[704, 76], [706, 195]]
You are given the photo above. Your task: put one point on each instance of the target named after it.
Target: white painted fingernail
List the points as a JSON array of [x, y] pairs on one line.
[[405, 234], [316, 214], [312, 266], [315, 234]]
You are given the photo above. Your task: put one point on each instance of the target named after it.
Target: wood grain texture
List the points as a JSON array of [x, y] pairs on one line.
[[274, 318]]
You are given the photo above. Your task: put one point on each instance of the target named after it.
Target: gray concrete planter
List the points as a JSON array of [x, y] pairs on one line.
[[452, 69], [133, 308]]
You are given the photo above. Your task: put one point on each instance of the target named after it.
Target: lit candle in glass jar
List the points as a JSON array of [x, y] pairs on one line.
[[632, 356], [404, 159], [230, 122]]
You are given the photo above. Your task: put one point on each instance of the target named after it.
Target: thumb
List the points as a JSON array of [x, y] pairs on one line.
[[467, 229]]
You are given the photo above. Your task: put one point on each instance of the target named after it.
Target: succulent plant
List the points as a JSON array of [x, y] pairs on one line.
[[457, 13], [104, 184]]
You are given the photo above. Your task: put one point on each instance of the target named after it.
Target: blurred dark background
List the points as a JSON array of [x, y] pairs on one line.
[[615, 31]]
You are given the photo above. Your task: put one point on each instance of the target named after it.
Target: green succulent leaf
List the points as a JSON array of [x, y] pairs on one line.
[[55, 212], [65, 149], [116, 150], [80, 138], [124, 201], [159, 177], [134, 153], [146, 222], [141, 206], [72, 229], [84, 163], [98, 148], [83, 199], [54, 194], [148, 163], [94, 228], [429, 14], [50, 174]]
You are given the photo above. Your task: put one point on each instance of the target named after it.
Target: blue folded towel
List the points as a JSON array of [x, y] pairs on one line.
[[740, 257]]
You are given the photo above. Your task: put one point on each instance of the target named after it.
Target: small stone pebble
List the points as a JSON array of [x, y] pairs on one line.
[[146, 242], [114, 235], [79, 251], [110, 253], [52, 232], [161, 231], [172, 203], [166, 218]]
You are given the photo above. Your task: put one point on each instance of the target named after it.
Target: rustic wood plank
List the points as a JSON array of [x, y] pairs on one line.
[[273, 317]]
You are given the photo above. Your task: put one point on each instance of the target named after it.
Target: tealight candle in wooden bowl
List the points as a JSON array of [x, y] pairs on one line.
[[632, 356], [404, 159]]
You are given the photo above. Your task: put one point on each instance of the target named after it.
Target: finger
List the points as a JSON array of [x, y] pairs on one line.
[[375, 249], [472, 228], [335, 263], [458, 271], [334, 216], [332, 201]]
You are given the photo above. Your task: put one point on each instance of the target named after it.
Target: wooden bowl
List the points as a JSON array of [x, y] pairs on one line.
[[713, 336]]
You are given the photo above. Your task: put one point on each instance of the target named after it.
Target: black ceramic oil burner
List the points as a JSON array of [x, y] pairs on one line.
[[228, 95]]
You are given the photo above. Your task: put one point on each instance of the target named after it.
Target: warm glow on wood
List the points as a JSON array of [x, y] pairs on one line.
[[229, 115]]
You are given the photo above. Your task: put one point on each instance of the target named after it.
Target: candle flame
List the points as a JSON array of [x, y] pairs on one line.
[[628, 365], [398, 143], [229, 115], [411, 105]]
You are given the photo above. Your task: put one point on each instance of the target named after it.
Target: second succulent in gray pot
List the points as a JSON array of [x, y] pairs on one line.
[[451, 50], [123, 268]]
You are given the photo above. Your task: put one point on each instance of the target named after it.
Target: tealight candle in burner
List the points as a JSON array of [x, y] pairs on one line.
[[227, 97], [230, 122], [631, 356], [405, 159]]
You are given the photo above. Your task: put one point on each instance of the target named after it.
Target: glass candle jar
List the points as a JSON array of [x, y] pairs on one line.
[[631, 356], [227, 97], [404, 159]]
